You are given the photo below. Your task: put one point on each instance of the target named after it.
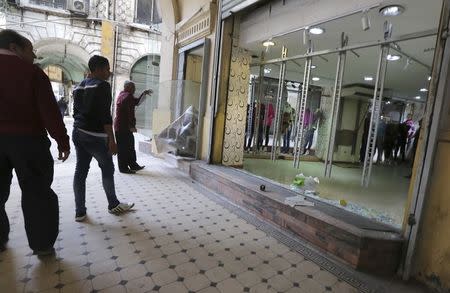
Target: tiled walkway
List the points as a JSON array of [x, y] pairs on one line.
[[176, 240]]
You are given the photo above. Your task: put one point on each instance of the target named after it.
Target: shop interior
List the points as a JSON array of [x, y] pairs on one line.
[[349, 117]]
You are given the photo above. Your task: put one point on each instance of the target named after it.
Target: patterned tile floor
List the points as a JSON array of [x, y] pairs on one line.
[[179, 238], [176, 240]]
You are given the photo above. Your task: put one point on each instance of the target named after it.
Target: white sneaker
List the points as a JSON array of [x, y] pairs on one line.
[[121, 208], [80, 217]]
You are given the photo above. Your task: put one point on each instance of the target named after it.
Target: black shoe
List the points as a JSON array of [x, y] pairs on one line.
[[128, 171], [44, 253], [137, 168], [80, 217]]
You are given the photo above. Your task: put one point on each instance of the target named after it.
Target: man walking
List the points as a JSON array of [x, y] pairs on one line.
[[125, 125], [28, 109], [93, 136]]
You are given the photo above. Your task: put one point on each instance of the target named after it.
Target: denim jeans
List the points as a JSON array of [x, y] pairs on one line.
[[87, 147]]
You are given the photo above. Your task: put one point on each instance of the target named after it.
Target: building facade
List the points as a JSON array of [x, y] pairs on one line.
[[66, 33], [270, 52]]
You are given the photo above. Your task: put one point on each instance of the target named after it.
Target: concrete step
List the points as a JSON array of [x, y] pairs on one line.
[[363, 244]]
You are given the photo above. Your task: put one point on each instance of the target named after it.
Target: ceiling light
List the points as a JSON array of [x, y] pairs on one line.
[[417, 98], [268, 43], [313, 66], [388, 102], [393, 57], [316, 30], [424, 90], [365, 21], [429, 77], [315, 79], [368, 78], [392, 10], [267, 70]]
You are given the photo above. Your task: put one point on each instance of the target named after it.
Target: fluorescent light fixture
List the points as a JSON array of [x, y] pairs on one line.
[[429, 77], [393, 57], [423, 90], [392, 10], [313, 66], [368, 78], [316, 30], [417, 98], [365, 21], [268, 43], [267, 70], [315, 78]]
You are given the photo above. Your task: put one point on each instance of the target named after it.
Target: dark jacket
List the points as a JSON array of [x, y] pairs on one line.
[[27, 103], [92, 105]]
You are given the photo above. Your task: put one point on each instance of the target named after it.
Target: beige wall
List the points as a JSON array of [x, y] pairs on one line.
[[433, 257], [188, 8]]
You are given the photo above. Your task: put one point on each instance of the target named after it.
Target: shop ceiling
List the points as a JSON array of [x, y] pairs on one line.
[[404, 78]]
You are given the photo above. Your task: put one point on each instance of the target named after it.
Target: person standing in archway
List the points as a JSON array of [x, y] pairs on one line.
[[125, 126], [28, 110]]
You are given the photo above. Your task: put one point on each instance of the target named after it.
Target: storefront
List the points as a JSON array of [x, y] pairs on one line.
[[346, 95]]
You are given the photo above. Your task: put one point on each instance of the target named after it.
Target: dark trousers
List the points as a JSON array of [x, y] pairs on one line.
[[126, 154], [286, 141], [267, 135], [32, 161], [87, 147], [400, 146], [309, 140], [250, 138]]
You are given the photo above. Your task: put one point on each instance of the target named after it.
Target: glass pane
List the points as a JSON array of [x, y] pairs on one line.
[[145, 74]]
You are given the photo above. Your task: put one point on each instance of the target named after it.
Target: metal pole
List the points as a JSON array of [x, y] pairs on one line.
[[332, 122], [298, 124], [257, 125], [301, 119], [278, 111], [374, 117], [297, 109], [335, 112]]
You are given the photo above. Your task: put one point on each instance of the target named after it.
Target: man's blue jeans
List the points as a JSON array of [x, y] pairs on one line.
[[88, 147]]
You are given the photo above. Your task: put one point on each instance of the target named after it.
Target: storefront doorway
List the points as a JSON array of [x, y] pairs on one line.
[[350, 116]]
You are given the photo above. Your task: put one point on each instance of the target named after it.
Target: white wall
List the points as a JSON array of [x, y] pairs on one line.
[[259, 25]]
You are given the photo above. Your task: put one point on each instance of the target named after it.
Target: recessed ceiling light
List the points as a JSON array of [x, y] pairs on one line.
[[368, 78], [392, 10], [316, 30], [313, 66], [417, 98], [393, 57], [315, 78], [424, 90], [268, 43]]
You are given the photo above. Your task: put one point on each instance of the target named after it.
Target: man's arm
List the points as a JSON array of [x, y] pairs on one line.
[[50, 114], [142, 97], [105, 115]]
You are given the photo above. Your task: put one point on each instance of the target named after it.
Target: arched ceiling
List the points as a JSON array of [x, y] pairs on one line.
[[71, 58]]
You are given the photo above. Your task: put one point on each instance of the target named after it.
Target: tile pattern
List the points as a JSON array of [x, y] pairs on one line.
[[176, 240]]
